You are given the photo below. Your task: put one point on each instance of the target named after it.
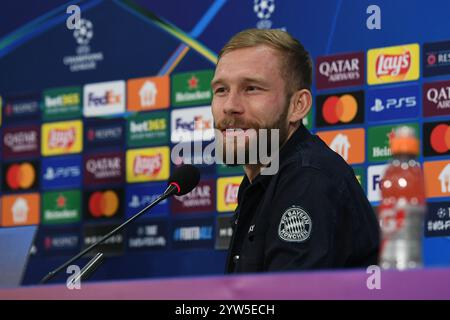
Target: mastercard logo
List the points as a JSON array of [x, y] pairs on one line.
[[103, 204], [340, 109], [20, 176], [440, 138]]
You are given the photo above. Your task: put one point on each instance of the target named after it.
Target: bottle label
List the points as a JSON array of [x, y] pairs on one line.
[[401, 235]]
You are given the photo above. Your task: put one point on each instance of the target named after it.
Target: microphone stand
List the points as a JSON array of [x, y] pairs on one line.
[[171, 189]]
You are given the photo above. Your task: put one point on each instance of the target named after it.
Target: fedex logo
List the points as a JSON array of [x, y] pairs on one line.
[[192, 124], [108, 98], [197, 124], [105, 98], [374, 176]]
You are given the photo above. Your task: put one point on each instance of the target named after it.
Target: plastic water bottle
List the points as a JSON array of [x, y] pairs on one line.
[[402, 208]]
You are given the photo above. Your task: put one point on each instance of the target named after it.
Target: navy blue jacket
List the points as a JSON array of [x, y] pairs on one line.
[[312, 214]]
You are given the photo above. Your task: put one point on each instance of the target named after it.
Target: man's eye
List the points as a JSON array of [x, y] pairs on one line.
[[252, 88]]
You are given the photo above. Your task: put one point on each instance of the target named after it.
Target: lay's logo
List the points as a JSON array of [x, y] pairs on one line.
[[61, 138], [393, 64], [231, 191], [148, 164], [227, 193]]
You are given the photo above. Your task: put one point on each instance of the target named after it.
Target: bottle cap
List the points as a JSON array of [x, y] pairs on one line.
[[404, 141]]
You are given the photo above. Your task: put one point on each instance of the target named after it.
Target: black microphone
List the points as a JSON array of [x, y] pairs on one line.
[[183, 180]]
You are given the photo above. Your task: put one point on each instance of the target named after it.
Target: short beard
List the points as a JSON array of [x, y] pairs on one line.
[[250, 152]]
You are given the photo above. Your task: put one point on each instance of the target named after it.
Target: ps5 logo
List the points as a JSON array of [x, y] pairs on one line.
[[61, 172], [394, 103]]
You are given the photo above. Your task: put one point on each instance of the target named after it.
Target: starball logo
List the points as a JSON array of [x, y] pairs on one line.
[[393, 64]]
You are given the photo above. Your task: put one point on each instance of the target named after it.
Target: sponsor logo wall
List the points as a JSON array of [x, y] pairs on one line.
[[80, 159], [356, 118]]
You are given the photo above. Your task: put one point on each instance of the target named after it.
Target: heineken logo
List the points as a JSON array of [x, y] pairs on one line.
[[61, 207], [192, 96], [379, 142], [193, 82], [192, 88]]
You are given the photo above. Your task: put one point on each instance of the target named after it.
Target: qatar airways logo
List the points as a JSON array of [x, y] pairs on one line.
[[393, 64], [340, 70], [105, 167], [147, 165], [61, 138]]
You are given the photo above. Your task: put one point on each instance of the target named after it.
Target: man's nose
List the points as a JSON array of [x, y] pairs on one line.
[[233, 104]]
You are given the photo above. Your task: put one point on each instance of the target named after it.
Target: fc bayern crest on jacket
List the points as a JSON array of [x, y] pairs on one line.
[[295, 225]]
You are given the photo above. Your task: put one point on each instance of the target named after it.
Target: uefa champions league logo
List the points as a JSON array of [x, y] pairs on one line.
[[264, 10], [84, 33], [83, 59]]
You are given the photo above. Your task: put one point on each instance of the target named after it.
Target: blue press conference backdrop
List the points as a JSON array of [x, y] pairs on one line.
[[76, 171]]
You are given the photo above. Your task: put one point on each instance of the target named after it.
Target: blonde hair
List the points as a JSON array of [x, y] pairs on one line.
[[297, 65]]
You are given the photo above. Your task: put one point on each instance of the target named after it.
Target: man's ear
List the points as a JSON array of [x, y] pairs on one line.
[[300, 105]]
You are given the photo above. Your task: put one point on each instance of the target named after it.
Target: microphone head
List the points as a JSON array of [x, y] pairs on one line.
[[185, 178]]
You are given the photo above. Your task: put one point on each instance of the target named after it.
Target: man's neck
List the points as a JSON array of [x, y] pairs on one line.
[[253, 170]]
